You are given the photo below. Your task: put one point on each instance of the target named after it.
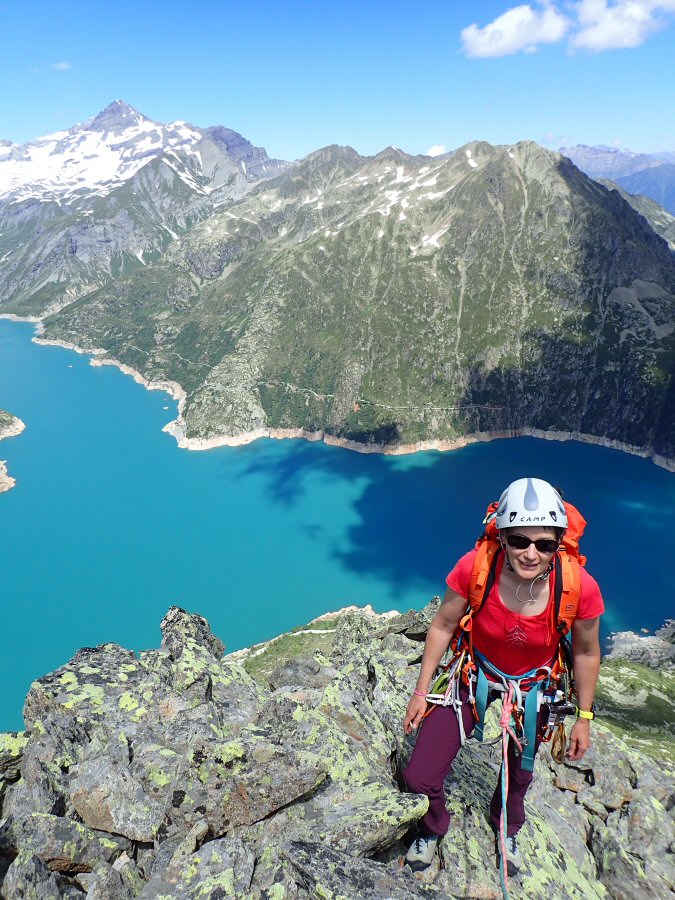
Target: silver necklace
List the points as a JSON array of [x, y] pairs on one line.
[[531, 598]]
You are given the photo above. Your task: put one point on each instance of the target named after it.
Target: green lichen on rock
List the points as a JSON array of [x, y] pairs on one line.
[[288, 785]]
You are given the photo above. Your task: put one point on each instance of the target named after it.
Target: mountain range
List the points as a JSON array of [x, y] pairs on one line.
[[382, 300], [647, 174]]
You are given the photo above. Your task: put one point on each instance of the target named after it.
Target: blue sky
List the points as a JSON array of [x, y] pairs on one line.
[[296, 76]]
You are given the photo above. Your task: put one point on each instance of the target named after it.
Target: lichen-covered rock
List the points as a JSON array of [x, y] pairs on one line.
[[89, 687], [106, 883], [413, 624], [622, 875], [28, 878], [338, 722], [12, 745], [273, 877], [221, 868], [186, 688], [55, 745], [193, 782], [183, 631], [107, 797], [303, 671], [324, 872], [650, 831], [237, 783], [62, 844], [363, 819], [120, 881]]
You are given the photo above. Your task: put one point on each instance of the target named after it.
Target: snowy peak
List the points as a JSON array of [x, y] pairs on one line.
[[95, 157], [118, 115]]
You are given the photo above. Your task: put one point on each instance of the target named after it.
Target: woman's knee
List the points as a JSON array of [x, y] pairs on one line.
[[416, 777]]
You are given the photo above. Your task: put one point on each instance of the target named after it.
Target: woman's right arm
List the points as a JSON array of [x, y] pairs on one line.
[[440, 633]]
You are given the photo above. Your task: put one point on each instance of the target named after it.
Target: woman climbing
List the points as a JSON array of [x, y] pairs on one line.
[[533, 591]]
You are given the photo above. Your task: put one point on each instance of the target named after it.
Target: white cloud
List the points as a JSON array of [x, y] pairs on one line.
[[520, 28], [436, 150], [623, 23], [61, 66], [593, 25]]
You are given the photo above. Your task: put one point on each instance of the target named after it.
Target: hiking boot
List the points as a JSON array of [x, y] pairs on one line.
[[421, 852], [513, 858]]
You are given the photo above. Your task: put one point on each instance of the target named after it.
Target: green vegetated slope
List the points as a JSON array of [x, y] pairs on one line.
[[393, 299]]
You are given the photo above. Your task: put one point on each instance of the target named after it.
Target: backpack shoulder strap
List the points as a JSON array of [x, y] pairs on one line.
[[567, 591], [483, 573]]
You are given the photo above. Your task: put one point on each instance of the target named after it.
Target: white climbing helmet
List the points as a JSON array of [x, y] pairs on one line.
[[531, 501]]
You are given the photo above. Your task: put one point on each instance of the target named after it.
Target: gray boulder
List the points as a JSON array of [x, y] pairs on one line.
[[62, 844], [324, 872], [28, 878]]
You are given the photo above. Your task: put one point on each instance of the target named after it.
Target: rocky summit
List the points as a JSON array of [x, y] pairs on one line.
[[276, 773]]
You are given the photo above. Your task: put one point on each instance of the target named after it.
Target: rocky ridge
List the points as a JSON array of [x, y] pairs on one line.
[[275, 773], [644, 175], [657, 182], [659, 218]]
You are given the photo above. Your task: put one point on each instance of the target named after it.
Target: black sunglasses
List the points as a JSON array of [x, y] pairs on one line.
[[543, 545]]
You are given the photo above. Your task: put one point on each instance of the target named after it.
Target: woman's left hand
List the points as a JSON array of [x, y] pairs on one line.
[[580, 739]]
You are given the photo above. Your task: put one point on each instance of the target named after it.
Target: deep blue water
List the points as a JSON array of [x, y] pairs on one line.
[[110, 523]]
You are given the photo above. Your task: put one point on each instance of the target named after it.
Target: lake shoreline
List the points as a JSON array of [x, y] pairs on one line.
[[176, 428]]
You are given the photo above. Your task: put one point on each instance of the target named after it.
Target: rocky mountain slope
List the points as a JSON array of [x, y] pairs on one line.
[[657, 182], [81, 207], [381, 300], [392, 299], [276, 773], [651, 175], [659, 218]]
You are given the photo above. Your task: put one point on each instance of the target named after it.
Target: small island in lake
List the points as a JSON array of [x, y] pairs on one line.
[[9, 427]]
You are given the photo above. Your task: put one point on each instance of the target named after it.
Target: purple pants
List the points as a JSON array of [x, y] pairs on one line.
[[437, 746]]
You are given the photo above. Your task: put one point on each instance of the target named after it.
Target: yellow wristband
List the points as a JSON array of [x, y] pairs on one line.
[[585, 713]]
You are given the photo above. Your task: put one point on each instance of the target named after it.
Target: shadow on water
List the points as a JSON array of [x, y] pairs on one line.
[[415, 515], [412, 516]]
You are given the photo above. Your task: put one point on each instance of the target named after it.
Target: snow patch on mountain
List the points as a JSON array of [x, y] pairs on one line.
[[95, 157], [90, 158]]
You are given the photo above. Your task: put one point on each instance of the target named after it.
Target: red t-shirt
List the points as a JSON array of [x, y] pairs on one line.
[[514, 643]]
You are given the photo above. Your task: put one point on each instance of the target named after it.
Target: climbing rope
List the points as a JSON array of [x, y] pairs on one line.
[[507, 731]]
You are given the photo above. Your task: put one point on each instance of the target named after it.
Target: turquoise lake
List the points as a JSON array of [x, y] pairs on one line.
[[110, 523]]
